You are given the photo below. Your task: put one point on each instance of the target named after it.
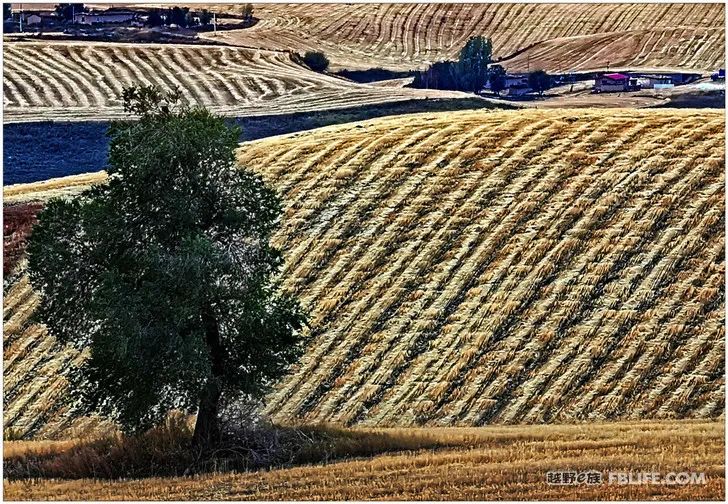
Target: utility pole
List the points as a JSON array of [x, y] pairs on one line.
[[21, 18], [214, 22]]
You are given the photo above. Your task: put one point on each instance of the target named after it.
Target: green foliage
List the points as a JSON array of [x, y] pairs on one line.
[[178, 16], [497, 78], [205, 17], [247, 12], [440, 75], [154, 18], [165, 274], [469, 73], [316, 61], [473, 63], [66, 11], [539, 81]]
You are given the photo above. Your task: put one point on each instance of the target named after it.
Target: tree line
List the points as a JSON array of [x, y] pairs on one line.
[[474, 69]]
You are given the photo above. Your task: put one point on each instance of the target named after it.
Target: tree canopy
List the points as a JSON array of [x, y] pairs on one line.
[[473, 63], [165, 274], [539, 81], [497, 78], [316, 61], [469, 73]]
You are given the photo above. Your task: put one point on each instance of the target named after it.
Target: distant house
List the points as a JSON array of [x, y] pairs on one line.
[[610, 83], [104, 17], [516, 85], [657, 81], [684, 78], [36, 18], [615, 82]]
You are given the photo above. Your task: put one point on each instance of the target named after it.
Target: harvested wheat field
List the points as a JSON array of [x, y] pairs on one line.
[[487, 463], [475, 268], [84, 81], [559, 37]]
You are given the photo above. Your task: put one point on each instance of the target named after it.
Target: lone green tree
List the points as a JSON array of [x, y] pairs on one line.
[[165, 274], [497, 78], [316, 61], [539, 81], [473, 63]]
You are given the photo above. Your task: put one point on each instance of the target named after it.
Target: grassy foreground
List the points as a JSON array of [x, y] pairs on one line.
[[495, 462]]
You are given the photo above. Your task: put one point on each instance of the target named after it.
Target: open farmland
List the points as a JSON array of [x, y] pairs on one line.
[[487, 463], [554, 37], [84, 81], [477, 267]]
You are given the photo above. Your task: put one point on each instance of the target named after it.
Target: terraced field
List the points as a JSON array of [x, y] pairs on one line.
[[479, 267], [562, 37], [82, 81]]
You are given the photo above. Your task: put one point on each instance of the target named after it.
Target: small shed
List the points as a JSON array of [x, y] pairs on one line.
[[104, 17], [657, 81], [611, 82], [517, 85], [33, 19]]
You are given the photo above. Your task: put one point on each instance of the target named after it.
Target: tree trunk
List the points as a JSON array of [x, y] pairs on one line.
[[207, 425], [207, 428]]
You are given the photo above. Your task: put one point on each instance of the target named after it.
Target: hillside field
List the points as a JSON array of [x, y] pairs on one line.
[[84, 81], [474, 268], [486, 463], [554, 37]]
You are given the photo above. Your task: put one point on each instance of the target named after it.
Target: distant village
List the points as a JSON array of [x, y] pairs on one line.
[[517, 84], [66, 17]]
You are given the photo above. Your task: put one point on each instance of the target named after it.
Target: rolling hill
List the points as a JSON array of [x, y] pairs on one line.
[[554, 37], [474, 268], [84, 81]]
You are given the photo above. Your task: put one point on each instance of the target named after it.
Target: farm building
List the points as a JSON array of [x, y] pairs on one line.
[[37, 18], [684, 78], [656, 81], [104, 17], [614, 82], [517, 85]]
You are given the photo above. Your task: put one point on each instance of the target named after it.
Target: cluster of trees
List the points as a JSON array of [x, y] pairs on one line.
[[66, 11], [473, 69], [468, 73], [182, 16]]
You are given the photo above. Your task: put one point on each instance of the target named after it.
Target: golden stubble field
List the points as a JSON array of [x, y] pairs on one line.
[[84, 81], [475, 268], [487, 463], [554, 37]]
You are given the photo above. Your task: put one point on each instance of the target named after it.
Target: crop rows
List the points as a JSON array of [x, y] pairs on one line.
[[82, 80], [473, 267], [400, 36]]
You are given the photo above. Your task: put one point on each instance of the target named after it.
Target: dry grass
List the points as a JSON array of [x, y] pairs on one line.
[[560, 37], [63, 80], [474, 268], [495, 462]]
